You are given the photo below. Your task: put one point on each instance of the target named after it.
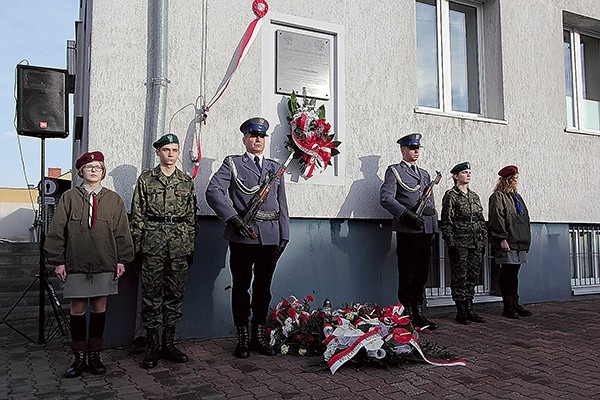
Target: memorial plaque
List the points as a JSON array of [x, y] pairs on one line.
[[303, 61]]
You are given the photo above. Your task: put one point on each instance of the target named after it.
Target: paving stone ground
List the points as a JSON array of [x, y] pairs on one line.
[[553, 354]]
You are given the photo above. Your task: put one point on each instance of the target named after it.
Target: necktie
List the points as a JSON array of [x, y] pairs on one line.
[[93, 211], [414, 168], [257, 162]]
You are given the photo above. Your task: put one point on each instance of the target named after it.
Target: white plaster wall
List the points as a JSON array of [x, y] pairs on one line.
[[557, 169], [15, 221]]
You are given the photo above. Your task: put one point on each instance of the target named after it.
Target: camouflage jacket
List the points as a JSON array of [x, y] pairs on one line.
[[463, 223], [157, 196]]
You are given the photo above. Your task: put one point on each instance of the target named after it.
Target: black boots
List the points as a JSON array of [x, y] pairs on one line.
[[471, 314], [78, 365], [509, 307], [461, 313], [152, 353], [168, 350], [419, 319], [242, 349], [522, 311], [512, 308], [259, 341], [95, 364]]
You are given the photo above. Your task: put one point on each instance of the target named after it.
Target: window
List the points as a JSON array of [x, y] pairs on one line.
[[582, 79], [448, 55], [584, 246]]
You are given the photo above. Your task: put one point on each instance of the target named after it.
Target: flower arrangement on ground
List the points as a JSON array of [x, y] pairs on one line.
[[369, 333], [310, 139]]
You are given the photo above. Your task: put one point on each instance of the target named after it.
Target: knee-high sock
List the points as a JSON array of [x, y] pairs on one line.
[[78, 328], [97, 323]]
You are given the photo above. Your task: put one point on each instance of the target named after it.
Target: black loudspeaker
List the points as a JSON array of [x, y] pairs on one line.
[[42, 102]]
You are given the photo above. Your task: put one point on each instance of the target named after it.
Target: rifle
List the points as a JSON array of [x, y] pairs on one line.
[[427, 194], [261, 196]]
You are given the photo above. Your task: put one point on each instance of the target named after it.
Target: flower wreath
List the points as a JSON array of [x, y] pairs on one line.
[[310, 139]]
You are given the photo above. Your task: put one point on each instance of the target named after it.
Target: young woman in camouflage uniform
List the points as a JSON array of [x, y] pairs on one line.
[[464, 230]]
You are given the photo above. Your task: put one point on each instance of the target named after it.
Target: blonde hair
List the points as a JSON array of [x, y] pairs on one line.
[[80, 170], [507, 184]]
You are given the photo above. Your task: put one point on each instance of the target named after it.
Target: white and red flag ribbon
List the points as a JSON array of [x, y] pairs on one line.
[[260, 8]]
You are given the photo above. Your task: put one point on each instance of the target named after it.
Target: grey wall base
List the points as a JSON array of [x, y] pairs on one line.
[[343, 260]]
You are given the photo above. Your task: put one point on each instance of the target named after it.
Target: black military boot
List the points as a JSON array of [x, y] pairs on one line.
[[522, 311], [78, 365], [419, 319], [168, 350], [509, 309], [95, 364], [471, 314], [242, 349], [152, 353], [259, 341], [461, 313]]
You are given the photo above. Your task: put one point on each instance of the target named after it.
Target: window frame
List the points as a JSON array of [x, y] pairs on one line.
[[577, 79], [444, 72]]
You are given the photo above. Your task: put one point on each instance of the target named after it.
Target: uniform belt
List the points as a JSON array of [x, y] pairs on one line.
[[267, 215], [169, 219]]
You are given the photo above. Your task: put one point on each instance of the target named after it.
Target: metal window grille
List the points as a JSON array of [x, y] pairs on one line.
[[438, 284], [584, 246]]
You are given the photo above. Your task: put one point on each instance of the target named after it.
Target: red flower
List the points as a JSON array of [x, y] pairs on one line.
[[285, 303], [298, 337], [303, 318], [292, 313], [309, 298], [401, 335]]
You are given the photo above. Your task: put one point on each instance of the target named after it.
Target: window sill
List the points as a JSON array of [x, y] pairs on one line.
[[442, 301], [472, 117], [583, 290], [582, 131]]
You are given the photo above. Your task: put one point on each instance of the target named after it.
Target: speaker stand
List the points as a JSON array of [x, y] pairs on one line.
[[44, 280]]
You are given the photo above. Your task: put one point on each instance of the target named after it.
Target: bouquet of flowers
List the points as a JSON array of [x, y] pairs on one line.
[[310, 140], [361, 332]]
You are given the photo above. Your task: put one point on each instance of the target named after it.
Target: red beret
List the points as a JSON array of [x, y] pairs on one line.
[[508, 171], [88, 158]]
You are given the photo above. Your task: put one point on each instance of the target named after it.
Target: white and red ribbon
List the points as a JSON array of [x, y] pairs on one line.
[[260, 8]]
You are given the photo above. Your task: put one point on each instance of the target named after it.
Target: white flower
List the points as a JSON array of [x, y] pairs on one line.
[[284, 349], [302, 352]]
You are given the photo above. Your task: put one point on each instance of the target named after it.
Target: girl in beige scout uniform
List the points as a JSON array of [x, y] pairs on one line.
[[89, 243]]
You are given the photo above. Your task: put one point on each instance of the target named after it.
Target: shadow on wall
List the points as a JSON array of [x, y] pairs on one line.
[[124, 178]]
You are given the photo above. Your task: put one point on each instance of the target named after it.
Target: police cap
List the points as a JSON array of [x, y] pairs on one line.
[[255, 125], [414, 139]]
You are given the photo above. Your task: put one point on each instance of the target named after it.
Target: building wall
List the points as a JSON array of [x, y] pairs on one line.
[[345, 261], [380, 99], [17, 213], [350, 260]]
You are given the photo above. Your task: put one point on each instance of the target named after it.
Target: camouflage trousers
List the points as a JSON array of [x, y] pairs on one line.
[[465, 266], [163, 285]]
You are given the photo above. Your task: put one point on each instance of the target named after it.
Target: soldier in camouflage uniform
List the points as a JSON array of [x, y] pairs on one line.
[[163, 226], [464, 230]]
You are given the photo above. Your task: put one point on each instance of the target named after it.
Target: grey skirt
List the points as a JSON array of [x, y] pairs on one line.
[[78, 286], [510, 257]]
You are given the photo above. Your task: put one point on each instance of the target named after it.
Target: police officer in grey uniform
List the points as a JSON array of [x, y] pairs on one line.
[[401, 190], [163, 227], [254, 250]]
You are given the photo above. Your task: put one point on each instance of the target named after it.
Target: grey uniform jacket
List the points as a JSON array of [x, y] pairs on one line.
[[227, 196], [397, 196]]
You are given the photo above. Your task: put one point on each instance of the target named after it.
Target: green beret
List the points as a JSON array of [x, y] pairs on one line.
[[460, 167], [165, 139]]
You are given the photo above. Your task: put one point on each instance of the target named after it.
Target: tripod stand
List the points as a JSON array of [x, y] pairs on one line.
[[45, 285]]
